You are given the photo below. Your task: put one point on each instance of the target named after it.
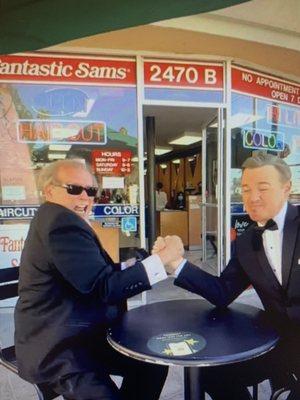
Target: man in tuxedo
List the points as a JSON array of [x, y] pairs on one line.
[[71, 291], [267, 256]]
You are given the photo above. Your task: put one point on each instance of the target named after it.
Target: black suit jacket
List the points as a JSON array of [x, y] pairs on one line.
[[70, 290], [251, 267]]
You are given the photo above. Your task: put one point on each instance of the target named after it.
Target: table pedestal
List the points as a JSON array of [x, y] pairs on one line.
[[193, 385]]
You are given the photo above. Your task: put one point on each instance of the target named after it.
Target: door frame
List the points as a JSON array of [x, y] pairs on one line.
[[220, 192]]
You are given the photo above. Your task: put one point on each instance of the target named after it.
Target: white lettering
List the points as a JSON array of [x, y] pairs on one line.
[[210, 76], [111, 153], [120, 210], [279, 95], [54, 69], [84, 70], [7, 244], [247, 77], [17, 212]]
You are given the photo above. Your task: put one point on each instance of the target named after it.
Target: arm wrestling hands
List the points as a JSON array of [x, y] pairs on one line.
[[170, 250]]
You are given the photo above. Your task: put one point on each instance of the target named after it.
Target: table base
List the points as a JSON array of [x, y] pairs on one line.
[[193, 385]]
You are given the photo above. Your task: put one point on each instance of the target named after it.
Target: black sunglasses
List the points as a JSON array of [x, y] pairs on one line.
[[91, 191]]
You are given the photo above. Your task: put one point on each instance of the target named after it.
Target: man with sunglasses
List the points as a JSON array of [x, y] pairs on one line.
[[71, 291]]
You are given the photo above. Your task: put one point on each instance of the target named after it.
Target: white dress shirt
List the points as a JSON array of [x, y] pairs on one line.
[[154, 268], [272, 242]]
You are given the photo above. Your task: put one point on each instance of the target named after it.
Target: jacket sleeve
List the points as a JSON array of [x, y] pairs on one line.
[[76, 254], [220, 291]]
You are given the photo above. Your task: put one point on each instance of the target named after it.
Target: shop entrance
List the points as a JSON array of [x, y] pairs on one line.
[[188, 144]]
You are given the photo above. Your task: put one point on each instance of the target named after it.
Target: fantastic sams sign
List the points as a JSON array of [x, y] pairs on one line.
[[104, 71], [64, 102]]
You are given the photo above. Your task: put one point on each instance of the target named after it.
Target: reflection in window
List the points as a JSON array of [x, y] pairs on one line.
[[266, 125]]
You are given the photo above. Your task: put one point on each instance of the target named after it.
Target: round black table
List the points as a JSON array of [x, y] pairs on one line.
[[193, 334]]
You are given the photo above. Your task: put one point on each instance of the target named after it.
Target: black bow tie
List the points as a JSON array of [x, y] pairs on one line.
[[270, 225], [257, 241]]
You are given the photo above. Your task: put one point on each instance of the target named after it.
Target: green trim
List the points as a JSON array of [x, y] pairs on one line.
[[34, 24]]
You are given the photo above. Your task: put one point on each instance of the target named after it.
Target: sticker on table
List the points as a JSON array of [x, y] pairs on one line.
[[176, 344]]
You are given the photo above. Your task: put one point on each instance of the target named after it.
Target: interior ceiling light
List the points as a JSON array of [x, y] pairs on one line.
[[59, 147], [177, 161], [136, 159], [160, 150], [163, 166], [241, 119], [187, 138]]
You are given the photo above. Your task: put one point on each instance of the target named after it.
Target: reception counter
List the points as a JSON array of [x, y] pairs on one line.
[[186, 224], [109, 238], [173, 222]]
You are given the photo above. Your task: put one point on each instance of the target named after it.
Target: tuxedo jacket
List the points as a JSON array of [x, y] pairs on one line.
[[69, 292], [249, 266]]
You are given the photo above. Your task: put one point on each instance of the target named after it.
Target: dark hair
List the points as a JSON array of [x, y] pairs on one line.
[[262, 159], [159, 185]]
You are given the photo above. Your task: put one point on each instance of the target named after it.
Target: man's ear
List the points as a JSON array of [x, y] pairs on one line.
[[287, 188], [48, 192]]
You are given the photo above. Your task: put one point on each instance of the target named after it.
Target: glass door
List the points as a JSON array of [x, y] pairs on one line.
[[213, 194]]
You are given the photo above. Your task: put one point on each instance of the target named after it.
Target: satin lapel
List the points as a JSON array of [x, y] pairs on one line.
[[246, 253], [288, 245], [256, 260], [267, 269]]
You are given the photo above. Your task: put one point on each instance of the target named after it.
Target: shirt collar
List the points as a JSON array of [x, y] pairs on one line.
[[280, 217]]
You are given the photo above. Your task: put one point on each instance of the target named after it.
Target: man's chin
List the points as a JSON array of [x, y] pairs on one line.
[[258, 218], [83, 215], [255, 217]]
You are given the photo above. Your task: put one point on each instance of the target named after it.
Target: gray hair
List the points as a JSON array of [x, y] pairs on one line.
[[262, 159], [49, 173]]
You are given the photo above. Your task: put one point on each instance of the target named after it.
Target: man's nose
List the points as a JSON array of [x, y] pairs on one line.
[[83, 195], [254, 195]]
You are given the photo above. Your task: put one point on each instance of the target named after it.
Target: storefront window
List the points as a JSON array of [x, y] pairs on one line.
[[263, 124], [55, 108]]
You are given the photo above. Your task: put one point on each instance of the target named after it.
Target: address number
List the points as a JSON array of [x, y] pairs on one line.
[[181, 74]]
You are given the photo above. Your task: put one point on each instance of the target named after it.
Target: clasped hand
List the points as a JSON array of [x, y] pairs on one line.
[[170, 250]]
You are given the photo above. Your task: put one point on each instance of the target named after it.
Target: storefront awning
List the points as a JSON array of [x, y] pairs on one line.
[[35, 24]]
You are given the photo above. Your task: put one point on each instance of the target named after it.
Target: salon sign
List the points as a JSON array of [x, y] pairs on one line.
[[262, 139], [63, 69], [266, 86], [12, 239], [115, 210]]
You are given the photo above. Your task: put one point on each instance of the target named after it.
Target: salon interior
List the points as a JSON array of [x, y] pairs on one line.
[[185, 145]]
